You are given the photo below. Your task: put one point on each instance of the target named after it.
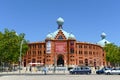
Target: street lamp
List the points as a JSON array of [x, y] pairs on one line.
[[54, 64], [20, 60]]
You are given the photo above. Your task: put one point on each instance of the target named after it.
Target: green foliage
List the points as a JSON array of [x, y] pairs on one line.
[[112, 53], [10, 46]]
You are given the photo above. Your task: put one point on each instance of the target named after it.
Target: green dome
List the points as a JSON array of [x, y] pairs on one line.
[[60, 21], [103, 41], [71, 36], [49, 36], [103, 35]]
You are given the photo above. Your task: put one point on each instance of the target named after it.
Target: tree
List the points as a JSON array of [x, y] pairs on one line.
[[112, 53], [10, 46]]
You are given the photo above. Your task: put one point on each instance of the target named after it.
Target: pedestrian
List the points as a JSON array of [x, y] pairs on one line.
[[95, 67], [45, 70], [26, 69], [30, 69]]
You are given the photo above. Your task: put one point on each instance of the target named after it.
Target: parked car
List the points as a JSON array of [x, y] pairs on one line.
[[102, 71], [80, 70], [113, 71]]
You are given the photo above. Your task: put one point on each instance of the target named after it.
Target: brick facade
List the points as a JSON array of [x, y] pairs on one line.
[[62, 49], [71, 53]]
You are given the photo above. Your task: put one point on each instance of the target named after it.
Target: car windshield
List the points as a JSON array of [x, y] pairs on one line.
[[116, 69], [106, 68], [77, 68]]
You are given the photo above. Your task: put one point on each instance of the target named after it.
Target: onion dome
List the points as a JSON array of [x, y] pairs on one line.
[[103, 41], [71, 36], [60, 22], [103, 35], [49, 36]]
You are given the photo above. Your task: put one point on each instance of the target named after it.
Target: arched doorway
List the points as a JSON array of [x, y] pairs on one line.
[[86, 62], [60, 60], [24, 62], [95, 63]]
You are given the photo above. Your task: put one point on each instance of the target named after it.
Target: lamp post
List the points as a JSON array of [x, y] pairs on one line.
[[54, 64], [20, 60]]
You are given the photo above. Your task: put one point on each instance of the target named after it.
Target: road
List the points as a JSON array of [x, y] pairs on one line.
[[59, 77]]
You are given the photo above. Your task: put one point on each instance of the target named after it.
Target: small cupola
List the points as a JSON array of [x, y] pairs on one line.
[[49, 36], [103, 41], [60, 22], [71, 36]]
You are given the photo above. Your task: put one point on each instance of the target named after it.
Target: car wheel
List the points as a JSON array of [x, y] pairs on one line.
[[88, 72], [108, 73], [97, 73], [75, 72]]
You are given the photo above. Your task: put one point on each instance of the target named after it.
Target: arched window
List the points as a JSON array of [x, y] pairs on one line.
[[33, 60]]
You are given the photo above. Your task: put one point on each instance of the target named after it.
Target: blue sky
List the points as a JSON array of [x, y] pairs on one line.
[[86, 19]]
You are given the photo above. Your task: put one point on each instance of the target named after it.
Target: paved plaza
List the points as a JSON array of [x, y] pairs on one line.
[[60, 77]]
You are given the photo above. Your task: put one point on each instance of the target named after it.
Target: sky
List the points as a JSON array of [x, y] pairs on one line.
[[86, 19]]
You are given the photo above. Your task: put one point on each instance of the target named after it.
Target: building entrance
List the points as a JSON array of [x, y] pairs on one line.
[[86, 62], [60, 60]]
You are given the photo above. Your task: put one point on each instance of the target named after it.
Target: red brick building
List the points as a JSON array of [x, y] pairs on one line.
[[61, 48]]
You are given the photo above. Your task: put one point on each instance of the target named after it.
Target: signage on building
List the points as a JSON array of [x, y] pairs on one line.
[[60, 47], [48, 47]]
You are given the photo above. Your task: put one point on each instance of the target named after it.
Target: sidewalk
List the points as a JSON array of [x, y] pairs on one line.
[[33, 72]]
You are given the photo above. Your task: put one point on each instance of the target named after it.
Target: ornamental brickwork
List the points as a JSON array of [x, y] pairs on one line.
[[62, 49]]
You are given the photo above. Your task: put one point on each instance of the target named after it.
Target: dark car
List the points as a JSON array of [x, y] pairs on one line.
[[80, 70], [102, 71]]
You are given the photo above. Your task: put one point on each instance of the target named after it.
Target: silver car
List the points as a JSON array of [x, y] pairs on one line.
[[113, 71]]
